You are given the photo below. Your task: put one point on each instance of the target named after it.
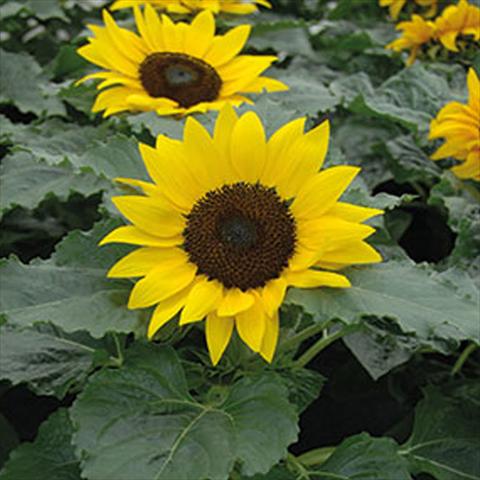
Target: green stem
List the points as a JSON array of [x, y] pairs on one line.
[[119, 359], [308, 332], [316, 456], [296, 464], [463, 358], [323, 343]]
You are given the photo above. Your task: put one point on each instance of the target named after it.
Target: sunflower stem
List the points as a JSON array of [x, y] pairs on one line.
[[323, 343], [305, 334], [463, 358], [118, 360]]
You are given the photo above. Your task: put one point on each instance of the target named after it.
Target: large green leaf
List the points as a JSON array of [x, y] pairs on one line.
[[45, 358], [445, 441], [140, 421], [74, 298], [420, 300], [50, 457], [22, 84], [411, 98], [362, 457], [27, 181]]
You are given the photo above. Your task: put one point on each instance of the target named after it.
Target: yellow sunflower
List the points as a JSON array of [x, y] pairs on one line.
[[231, 221], [240, 7], [395, 7], [459, 125], [455, 20], [173, 68], [416, 33]]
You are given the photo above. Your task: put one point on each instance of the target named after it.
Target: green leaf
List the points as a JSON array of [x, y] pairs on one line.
[[50, 457], [445, 441], [45, 358], [140, 421], [420, 300], [27, 181], [46, 9], [22, 84], [408, 162], [364, 457], [54, 140], [380, 350], [411, 98], [71, 297]]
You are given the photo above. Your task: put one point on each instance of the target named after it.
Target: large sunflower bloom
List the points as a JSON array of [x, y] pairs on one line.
[[455, 20], [173, 68], [231, 221], [459, 125], [416, 33], [239, 7]]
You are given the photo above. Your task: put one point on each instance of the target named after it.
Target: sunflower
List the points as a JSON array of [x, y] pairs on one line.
[[231, 221], [459, 125], [455, 20], [395, 6], [240, 7], [416, 33], [173, 68]]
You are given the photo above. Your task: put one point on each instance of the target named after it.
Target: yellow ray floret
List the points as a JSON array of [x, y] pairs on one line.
[[459, 125], [239, 7], [462, 19], [231, 220], [173, 68], [395, 7], [415, 33]]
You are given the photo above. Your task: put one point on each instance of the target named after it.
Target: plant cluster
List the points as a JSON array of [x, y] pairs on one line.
[[239, 247]]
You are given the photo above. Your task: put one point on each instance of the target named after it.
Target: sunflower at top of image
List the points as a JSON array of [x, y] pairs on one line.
[[237, 7], [396, 6], [459, 125], [173, 68], [231, 221]]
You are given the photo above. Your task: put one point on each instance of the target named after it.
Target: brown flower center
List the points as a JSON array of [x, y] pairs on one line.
[[180, 77], [242, 235]]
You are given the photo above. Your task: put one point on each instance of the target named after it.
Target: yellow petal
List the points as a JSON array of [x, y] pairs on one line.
[[218, 331], [203, 298], [322, 191], [251, 325], [226, 121], [150, 215], [270, 338], [225, 47], [353, 213], [273, 294], [200, 34], [143, 260], [304, 159], [357, 252], [248, 147], [317, 278], [133, 235], [203, 157], [473, 83], [235, 301], [278, 145], [160, 284], [166, 310]]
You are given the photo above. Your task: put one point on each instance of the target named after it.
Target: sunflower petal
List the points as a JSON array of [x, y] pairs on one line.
[[203, 298], [160, 284], [235, 301], [251, 325], [218, 331], [317, 278], [270, 338]]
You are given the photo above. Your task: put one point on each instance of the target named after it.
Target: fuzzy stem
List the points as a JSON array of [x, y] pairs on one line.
[[308, 332], [463, 358], [323, 343], [316, 456]]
